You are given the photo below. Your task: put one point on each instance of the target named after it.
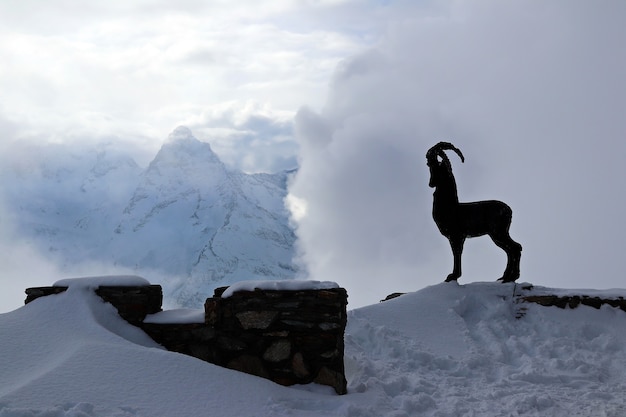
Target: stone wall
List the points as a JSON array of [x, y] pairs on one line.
[[574, 301], [289, 337], [133, 303]]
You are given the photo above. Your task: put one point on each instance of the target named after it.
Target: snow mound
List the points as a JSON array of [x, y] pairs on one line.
[[105, 280], [294, 285], [459, 350], [446, 350]]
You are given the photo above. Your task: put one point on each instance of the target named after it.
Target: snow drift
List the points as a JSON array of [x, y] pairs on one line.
[[446, 350]]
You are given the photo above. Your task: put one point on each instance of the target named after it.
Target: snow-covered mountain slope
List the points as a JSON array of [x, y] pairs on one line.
[[65, 199], [186, 221], [446, 350]]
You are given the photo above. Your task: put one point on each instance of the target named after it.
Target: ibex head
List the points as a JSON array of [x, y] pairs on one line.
[[432, 160]]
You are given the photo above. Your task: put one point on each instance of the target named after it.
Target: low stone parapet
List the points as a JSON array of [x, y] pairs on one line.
[[290, 336], [193, 339], [133, 302]]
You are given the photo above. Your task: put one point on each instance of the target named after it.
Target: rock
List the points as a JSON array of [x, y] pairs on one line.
[[278, 351], [334, 379], [256, 319], [298, 365], [250, 365], [392, 296]]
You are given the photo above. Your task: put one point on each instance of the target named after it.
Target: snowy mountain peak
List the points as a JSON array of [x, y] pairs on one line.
[[180, 133], [182, 151], [186, 217]]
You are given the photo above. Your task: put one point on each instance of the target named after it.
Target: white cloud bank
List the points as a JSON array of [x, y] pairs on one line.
[[136, 70], [532, 92]]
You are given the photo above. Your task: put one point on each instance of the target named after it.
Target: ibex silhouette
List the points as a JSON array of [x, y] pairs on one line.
[[458, 221]]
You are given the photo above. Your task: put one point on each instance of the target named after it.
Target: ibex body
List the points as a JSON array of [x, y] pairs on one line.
[[458, 221]]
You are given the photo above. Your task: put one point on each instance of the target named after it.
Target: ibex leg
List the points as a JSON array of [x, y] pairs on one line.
[[456, 244], [513, 252]]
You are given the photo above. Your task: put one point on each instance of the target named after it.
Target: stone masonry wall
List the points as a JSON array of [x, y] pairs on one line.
[[133, 303], [289, 337], [574, 301]]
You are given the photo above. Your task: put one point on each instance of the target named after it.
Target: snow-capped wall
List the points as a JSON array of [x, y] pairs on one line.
[[133, 300], [290, 336]]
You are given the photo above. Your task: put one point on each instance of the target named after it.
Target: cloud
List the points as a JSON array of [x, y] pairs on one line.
[[249, 135], [22, 265], [531, 92], [42, 178], [142, 68]]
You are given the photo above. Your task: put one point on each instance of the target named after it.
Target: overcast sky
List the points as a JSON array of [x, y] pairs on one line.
[[355, 92]]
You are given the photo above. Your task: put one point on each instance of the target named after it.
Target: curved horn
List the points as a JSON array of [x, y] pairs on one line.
[[438, 150]]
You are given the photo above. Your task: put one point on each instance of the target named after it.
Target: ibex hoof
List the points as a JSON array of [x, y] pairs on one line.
[[451, 278], [507, 279]]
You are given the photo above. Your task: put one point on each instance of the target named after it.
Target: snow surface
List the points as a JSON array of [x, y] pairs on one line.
[[179, 316], [295, 285], [446, 350], [110, 280]]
